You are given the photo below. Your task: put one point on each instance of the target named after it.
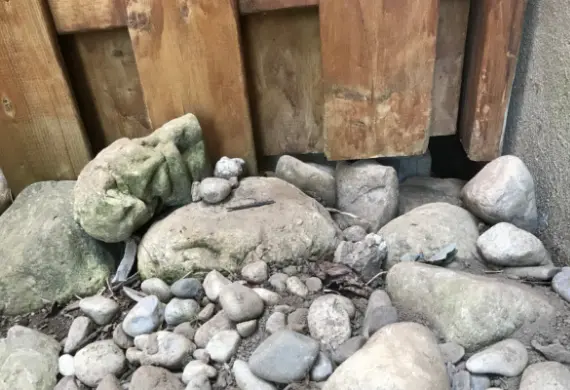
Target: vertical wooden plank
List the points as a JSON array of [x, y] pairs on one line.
[[378, 61], [284, 68], [103, 70], [41, 135], [189, 59], [450, 49], [494, 37]]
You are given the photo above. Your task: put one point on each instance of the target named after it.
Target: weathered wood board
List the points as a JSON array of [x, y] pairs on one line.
[[378, 61], [189, 60], [450, 49], [251, 6], [41, 134], [492, 51], [284, 70], [82, 15], [103, 70]]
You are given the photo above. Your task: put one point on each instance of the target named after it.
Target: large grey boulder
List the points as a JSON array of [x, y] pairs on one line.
[[398, 357], [419, 190], [46, 256], [122, 188], [429, 228], [545, 376], [28, 360], [5, 193], [315, 182], [473, 311], [503, 191], [204, 237], [368, 190]]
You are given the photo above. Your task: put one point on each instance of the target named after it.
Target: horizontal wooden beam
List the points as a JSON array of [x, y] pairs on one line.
[[71, 16]]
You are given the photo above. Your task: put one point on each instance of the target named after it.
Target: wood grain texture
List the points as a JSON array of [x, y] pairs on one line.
[[378, 61], [284, 70], [450, 49], [41, 135], [252, 6], [494, 40], [104, 73], [189, 60], [84, 15]]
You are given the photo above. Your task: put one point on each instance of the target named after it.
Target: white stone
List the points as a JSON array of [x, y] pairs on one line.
[[354, 233], [503, 191], [214, 325], [144, 317], [154, 378], [246, 380], [270, 298], [197, 367], [199, 382], [214, 190], [207, 312], [96, 360], [179, 310], [202, 355], [241, 303], [100, 309], [297, 287], [279, 281], [256, 272], [223, 345], [545, 376], [80, 328], [329, 322], [509, 246], [164, 349], [451, 352], [213, 284], [66, 365], [506, 358], [314, 284], [158, 287], [399, 356], [246, 329], [227, 168]]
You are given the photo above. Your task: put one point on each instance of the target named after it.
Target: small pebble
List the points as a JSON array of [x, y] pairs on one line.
[[207, 312], [297, 287], [270, 298], [202, 355], [561, 283], [109, 382], [226, 167], [322, 369], [297, 320], [185, 329], [451, 352], [223, 345], [180, 310], [213, 284], [314, 284], [158, 287], [217, 323], [121, 338], [241, 303], [279, 281], [246, 380], [214, 190], [187, 288], [66, 365], [275, 322], [255, 272], [507, 358], [199, 382], [480, 382], [165, 349], [247, 328], [98, 359], [329, 322], [197, 367], [100, 309], [80, 328], [290, 270], [354, 233], [144, 317], [461, 381]]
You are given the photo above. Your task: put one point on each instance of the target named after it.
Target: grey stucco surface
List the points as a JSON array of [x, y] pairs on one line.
[[538, 124]]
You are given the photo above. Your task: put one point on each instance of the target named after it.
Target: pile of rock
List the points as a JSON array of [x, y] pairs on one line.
[[333, 278]]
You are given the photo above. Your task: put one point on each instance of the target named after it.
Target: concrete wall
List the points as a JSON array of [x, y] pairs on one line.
[[538, 125]]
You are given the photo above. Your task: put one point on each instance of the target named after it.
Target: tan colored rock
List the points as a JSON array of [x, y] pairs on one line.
[[399, 356], [204, 237]]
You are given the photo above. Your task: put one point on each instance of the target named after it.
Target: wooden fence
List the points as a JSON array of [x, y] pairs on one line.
[[350, 78]]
